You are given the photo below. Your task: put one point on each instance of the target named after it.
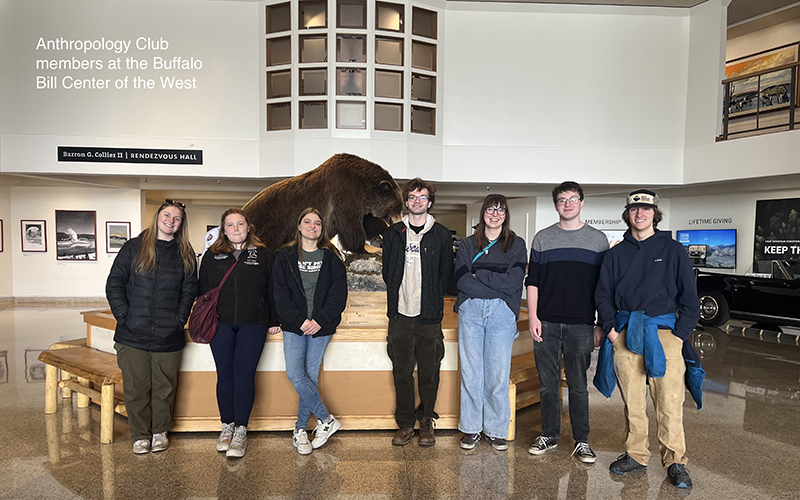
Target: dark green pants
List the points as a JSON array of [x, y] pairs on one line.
[[149, 380]]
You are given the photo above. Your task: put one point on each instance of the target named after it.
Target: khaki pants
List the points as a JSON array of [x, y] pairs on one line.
[[667, 393], [149, 380]]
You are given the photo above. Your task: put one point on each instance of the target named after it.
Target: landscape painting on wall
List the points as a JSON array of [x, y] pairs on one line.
[[773, 90], [76, 235], [117, 234]]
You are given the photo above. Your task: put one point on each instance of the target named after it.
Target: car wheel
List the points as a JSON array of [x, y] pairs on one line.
[[713, 309]]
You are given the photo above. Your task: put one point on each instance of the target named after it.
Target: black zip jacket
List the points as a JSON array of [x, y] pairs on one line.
[[246, 296], [438, 262], [330, 296], [151, 309]]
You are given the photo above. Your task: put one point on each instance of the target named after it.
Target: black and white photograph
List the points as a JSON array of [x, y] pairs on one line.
[[117, 234], [34, 235], [3, 367], [2, 235], [76, 235], [34, 369]]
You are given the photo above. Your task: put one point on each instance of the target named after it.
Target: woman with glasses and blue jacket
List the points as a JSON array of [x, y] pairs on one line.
[[490, 268], [310, 289]]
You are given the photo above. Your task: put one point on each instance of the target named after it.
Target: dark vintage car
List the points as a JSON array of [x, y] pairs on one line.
[[770, 297]]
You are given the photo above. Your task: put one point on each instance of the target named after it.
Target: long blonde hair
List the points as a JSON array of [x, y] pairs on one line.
[[323, 242], [146, 258], [224, 245]]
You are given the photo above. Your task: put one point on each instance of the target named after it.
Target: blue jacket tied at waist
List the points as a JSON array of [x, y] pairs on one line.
[[642, 339]]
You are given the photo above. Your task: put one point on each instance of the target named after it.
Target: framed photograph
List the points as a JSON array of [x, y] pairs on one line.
[[34, 235], [76, 235], [1, 235], [34, 369], [773, 91], [3, 367], [117, 234]]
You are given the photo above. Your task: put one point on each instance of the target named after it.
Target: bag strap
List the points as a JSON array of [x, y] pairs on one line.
[[229, 272], [485, 250]]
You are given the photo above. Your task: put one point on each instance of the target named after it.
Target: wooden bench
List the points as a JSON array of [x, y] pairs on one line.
[[523, 369], [88, 366]]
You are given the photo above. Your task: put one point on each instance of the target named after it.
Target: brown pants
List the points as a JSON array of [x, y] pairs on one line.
[[667, 393]]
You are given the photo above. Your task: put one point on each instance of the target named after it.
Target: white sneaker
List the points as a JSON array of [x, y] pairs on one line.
[[224, 441], [324, 430], [238, 443], [160, 442], [301, 442], [141, 446]]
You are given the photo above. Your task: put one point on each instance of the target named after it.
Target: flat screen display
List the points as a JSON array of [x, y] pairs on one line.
[[710, 248]]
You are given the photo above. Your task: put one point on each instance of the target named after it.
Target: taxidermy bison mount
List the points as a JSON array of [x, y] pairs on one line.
[[357, 199]]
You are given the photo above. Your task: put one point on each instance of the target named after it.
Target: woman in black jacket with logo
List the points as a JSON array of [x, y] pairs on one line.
[[310, 286], [246, 314], [151, 288]]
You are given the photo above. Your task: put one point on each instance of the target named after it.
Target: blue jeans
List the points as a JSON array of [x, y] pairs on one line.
[[303, 354], [575, 343], [486, 332]]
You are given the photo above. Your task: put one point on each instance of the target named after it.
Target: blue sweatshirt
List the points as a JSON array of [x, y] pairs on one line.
[[654, 276]]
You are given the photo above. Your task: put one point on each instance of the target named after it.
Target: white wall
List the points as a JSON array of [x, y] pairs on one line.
[[775, 36], [6, 283], [534, 90], [40, 274]]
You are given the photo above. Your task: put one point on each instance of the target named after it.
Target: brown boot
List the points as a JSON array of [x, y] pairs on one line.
[[426, 437], [403, 436]]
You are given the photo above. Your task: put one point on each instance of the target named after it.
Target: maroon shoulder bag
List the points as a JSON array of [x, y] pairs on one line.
[[204, 319]]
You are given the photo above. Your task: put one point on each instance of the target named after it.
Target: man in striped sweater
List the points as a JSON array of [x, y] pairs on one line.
[[562, 276]]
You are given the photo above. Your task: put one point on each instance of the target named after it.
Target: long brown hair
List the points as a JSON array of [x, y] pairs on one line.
[[323, 242], [507, 235], [224, 245], [146, 258]]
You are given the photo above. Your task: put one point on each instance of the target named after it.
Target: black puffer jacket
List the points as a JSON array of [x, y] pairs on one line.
[[330, 296], [151, 309], [246, 296]]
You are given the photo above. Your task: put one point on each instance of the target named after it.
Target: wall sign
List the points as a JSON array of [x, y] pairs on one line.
[[131, 155], [777, 235]]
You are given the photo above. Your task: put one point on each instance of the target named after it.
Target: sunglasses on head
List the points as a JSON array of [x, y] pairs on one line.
[[176, 203]]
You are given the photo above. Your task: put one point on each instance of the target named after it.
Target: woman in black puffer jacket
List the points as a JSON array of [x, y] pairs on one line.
[[151, 288]]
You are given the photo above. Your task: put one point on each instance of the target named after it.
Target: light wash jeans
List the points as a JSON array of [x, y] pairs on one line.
[[486, 331], [303, 354]]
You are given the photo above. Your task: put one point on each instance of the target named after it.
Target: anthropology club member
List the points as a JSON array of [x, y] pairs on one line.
[[644, 281], [246, 314], [562, 277], [310, 289], [151, 288], [490, 267], [417, 269]]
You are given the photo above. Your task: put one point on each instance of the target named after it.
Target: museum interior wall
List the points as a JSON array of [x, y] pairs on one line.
[[6, 283]]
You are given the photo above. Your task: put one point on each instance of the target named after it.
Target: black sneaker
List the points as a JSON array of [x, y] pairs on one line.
[[498, 444], [470, 440], [679, 476], [624, 464], [584, 453], [542, 444]]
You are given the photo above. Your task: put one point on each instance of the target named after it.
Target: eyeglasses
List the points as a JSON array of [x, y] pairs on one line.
[[573, 200], [496, 210], [176, 203], [422, 198]]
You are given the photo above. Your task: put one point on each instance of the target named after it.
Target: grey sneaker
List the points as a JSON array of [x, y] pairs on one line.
[[498, 444], [324, 430], [238, 443], [141, 446], [469, 441], [625, 464], [542, 444], [301, 442], [224, 441], [679, 476], [584, 453], [160, 442]]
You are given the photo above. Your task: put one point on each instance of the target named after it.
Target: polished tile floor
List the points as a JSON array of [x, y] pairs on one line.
[[745, 443]]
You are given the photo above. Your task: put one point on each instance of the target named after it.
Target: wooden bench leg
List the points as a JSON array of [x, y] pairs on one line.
[[512, 424], [107, 414], [66, 392], [51, 389], [83, 400]]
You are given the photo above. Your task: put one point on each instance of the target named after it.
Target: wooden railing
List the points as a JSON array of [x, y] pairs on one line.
[[771, 90]]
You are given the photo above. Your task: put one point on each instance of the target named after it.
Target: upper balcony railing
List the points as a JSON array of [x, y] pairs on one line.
[[760, 102]]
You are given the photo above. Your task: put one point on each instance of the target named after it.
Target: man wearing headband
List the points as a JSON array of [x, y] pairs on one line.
[[644, 281]]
